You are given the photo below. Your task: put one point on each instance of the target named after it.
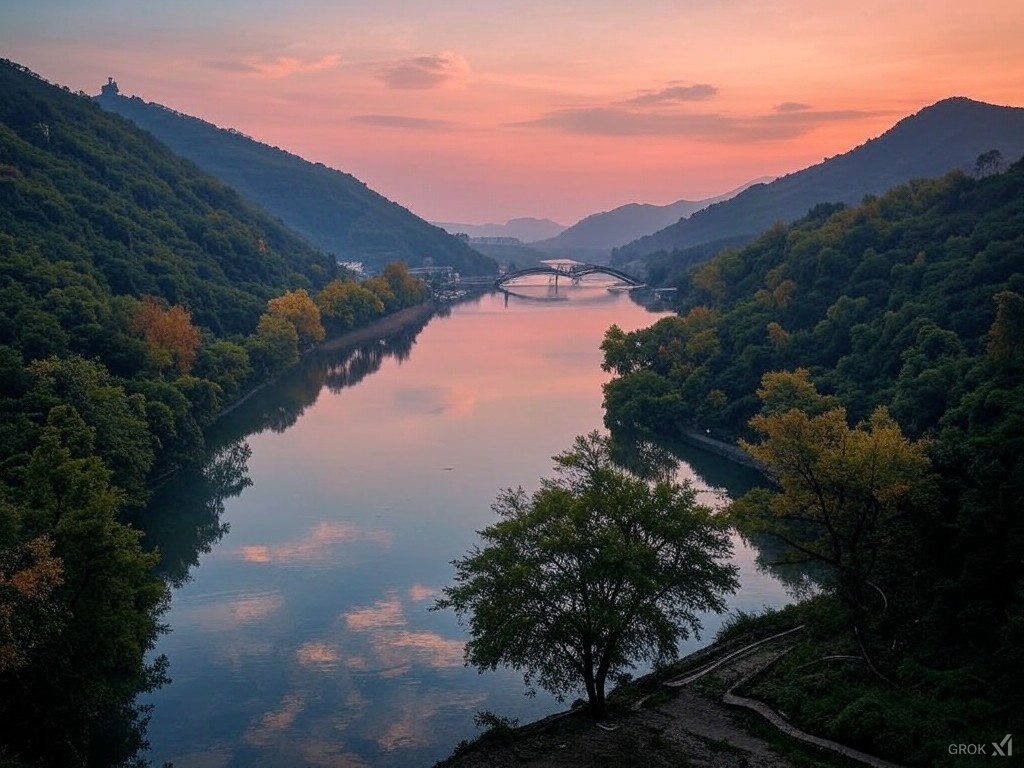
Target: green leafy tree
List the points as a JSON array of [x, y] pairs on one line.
[[274, 346], [225, 363], [345, 304], [73, 701], [595, 571], [988, 162]]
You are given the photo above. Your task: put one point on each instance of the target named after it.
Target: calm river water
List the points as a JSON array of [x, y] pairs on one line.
[[307, 554]]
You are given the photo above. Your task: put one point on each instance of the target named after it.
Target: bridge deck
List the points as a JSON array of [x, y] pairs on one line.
[[574, 271]]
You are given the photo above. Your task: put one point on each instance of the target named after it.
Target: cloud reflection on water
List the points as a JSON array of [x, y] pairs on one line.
[[318, 546], [396, 649]]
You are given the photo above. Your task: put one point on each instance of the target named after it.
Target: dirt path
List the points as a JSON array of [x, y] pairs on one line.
[[698, 724]]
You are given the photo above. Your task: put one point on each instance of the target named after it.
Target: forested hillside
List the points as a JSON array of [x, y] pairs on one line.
[[873, 357], [139, 298], [946, 136], [105, 205], [330, 208]]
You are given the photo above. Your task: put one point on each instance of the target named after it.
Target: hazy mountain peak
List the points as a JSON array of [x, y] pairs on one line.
[[593, 237], [942, 137]]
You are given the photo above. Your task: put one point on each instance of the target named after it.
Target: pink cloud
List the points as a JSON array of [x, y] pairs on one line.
[[383, 613], [426, 72], [675, 94], [317, 654], [277, 66]]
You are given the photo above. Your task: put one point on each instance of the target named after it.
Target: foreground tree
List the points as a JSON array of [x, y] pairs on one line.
[[595, 571]]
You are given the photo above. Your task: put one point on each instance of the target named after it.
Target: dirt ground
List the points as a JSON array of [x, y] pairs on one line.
[[677, 727]]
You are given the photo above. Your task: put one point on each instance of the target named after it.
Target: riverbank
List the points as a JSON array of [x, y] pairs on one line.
[[377, 329], [689, 713], [729, 451]]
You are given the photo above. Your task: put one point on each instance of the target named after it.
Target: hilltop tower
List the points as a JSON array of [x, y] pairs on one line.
[[110, 89]]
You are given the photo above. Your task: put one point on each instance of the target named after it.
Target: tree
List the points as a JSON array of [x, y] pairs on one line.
[[274, 346], [847, 497], [988, 162], [73, 701], [407, 290], [595, 571], [170, 336], [299, 309], [345, 304]]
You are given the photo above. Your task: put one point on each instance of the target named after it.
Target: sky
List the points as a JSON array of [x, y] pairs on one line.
[[484, 110]]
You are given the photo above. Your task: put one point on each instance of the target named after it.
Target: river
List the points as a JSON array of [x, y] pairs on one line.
[[306, 555]]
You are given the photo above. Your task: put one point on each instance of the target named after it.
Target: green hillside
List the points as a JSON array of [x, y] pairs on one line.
[[90, 204], [331, 209], [912, 302]]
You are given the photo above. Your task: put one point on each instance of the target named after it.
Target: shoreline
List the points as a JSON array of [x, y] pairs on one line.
[[382, 326]]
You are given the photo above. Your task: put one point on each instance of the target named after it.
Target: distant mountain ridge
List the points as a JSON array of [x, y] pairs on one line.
[[601, 232], [526, 229], [333, 210], [947, 135]]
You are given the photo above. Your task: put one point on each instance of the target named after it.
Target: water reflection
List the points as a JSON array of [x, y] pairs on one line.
[[278, 407], [183, 519], [305, 637]]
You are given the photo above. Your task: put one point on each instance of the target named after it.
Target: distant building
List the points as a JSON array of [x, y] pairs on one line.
[[110, 89], [496, 240]]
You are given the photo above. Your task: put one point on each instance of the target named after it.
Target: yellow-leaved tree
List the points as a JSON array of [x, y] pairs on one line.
[[299, 309], [849, 497], [171, 339]]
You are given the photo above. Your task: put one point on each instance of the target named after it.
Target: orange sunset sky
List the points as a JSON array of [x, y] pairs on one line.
[[487, 110]]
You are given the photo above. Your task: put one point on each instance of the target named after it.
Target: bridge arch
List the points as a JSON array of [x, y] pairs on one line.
[[574, 270]]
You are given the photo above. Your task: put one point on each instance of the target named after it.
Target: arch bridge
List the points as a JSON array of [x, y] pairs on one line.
[[574, 270]]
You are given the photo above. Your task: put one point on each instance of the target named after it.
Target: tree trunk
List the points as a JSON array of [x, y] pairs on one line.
[[598, 707], [589, 682]]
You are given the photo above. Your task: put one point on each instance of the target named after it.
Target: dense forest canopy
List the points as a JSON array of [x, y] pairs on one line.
[[872, 358], [91, 204], [887, 303]]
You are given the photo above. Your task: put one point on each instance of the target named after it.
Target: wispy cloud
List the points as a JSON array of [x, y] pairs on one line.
[[622, 121], [403, 122], [383, 613], [425, 72], [791, 106], [418, 592], [276, 66], [675, 94]]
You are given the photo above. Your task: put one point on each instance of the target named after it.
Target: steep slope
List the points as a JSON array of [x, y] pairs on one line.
[[596, 235], [333, 210], [948, 135], [89, 202]]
